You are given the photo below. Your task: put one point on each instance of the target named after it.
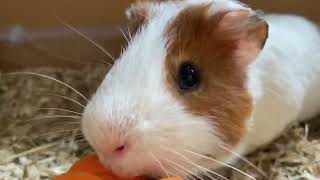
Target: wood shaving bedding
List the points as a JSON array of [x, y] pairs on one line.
[[34, 145]]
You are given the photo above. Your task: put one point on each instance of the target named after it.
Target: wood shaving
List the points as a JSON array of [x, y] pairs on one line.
[[40, 148]]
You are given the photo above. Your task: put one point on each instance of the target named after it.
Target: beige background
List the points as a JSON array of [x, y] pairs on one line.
[[37, 15]]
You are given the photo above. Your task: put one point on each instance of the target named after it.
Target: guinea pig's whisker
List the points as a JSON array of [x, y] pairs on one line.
[[124, 35], [183, 168], [88, 39], [181, 172], [48, 53], [52, 117], [203, 169], [246, 161], [82, 140], [159, 163], [221, 163], [51, 78], [194, 164], [56, 132], [63, 97], [63, 110], [129, 33], [66, 123], [207, 174]]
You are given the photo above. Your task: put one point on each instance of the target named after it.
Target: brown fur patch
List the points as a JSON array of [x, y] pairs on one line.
[[196, 37]]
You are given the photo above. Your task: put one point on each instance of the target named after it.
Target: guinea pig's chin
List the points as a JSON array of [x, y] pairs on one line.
[[129, 170]]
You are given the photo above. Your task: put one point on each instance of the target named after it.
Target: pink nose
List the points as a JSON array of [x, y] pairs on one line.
[[120, 149]]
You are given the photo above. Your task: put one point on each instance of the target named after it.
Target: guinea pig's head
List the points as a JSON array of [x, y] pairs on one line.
[[178, 95]]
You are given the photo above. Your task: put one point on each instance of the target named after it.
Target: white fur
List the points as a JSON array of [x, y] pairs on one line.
[[133, 106], [285, 79]]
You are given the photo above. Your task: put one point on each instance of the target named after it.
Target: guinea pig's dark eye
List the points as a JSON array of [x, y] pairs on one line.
[[188, 77]]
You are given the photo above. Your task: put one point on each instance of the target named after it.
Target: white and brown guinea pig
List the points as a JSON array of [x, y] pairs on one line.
[[200, 81]]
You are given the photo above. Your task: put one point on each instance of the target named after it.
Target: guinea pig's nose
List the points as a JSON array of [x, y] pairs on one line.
[[120, 149]]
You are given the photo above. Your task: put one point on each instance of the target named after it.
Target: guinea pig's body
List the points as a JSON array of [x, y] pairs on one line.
[[200, 81], [285, 78]]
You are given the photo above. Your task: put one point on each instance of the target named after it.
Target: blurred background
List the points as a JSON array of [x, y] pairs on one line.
[[31, 35]]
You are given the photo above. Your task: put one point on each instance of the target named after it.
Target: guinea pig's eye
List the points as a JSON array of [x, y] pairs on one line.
[[188, 77]]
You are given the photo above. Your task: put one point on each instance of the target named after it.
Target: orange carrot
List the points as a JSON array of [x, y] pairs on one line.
[[89, 168]]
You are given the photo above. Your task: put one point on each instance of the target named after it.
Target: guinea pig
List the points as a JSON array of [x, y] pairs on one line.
[[201, 81]]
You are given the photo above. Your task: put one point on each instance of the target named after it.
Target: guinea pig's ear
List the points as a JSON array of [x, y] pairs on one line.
[[246, 29], [137, 14]]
